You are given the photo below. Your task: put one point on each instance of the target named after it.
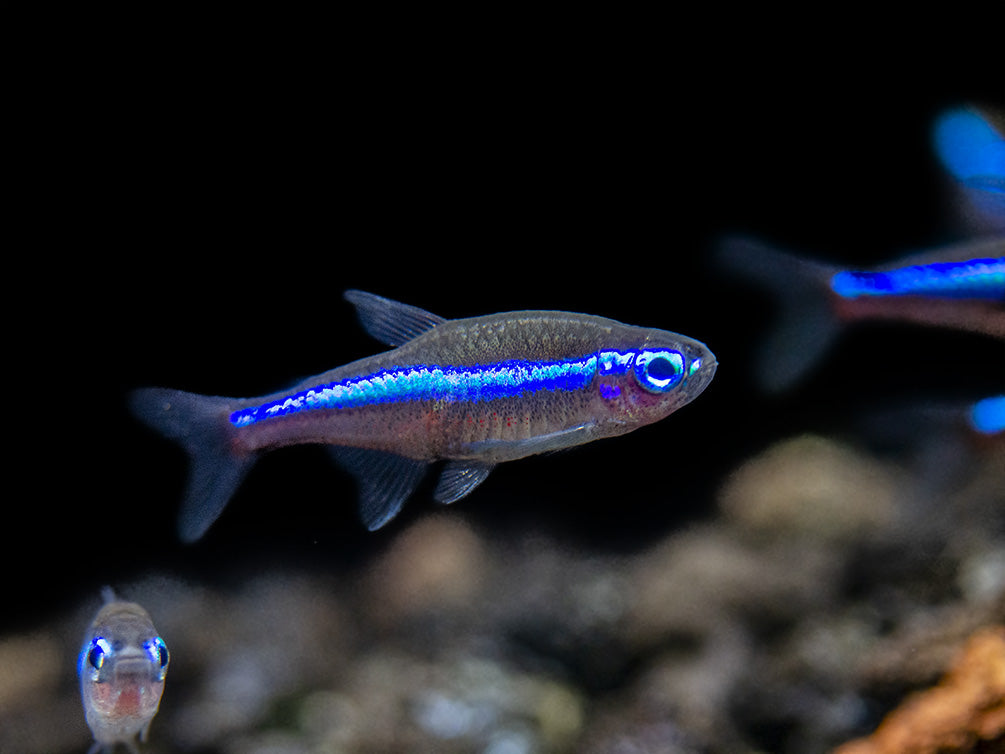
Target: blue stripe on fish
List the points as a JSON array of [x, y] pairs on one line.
[[980, 278], [427, 382]]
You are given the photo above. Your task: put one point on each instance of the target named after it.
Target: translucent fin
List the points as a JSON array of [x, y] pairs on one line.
[[806, 325], [199, 424], [513, 449], [458, 479], [388, 321], [385, 481]]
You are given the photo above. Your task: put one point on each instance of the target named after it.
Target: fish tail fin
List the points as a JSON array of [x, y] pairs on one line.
[[199, 424], [806, 322]]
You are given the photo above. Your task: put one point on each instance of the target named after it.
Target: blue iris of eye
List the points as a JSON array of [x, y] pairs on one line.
[[659, 371], [158, 652], [97, 652]]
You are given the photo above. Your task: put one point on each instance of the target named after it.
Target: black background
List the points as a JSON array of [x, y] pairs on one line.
[[196, 210]]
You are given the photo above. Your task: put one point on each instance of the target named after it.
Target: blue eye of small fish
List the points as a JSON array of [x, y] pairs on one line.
[[158, 652], [97, 651], [659, 371]]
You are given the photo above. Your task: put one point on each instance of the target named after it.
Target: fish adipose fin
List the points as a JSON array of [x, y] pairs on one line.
[[390, 322], [385, 480], [806, 325], [199, 424]]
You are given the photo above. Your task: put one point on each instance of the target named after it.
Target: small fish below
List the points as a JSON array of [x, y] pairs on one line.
[[122, 666], [960, 287], [470, 392]]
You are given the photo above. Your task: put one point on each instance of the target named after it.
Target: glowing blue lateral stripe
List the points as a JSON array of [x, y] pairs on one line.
[[976, 278], [478, 383], [988, 415]]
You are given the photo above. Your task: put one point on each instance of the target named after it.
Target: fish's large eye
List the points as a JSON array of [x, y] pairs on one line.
[[158, 652], [659, 371], [97, 651]]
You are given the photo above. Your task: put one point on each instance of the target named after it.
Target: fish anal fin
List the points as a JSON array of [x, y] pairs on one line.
[[385, 480]]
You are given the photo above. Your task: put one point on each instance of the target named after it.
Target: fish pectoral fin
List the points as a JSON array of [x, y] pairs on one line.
[[385, 480], [458, 479], [389, 321]]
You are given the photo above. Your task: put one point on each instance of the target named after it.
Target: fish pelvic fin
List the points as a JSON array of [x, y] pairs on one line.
[[806, 324], [459, 478], [199, 424]]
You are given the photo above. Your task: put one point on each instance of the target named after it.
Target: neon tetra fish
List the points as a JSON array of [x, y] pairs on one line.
[[472, 392], [122, 666], [959, 287]]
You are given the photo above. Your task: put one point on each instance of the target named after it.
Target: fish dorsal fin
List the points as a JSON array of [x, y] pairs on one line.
[[389, 321], [385, 480], [458, 479]]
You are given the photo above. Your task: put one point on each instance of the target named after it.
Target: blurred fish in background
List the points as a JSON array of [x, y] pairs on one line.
[[970, 144], [958, 286]]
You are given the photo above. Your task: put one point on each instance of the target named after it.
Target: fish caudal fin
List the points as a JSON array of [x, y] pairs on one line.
[[806, 324], [199, 424]]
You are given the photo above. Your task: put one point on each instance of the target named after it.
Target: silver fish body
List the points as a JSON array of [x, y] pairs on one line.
[[473, 392], [122, 666]]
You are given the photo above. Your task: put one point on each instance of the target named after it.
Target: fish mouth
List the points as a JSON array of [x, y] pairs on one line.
[[133, 669], [700, 372]]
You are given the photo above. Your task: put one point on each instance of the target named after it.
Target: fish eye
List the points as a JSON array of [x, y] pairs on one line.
[[659, 371], [158, 652], [100, 649]]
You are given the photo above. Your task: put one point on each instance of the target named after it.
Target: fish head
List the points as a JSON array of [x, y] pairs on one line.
[[650, 375], [122, 666]]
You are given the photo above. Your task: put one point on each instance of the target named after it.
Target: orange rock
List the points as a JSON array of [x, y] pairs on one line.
[[966, 710]]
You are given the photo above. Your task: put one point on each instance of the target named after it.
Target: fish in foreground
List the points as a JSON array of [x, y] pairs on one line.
[[960, 287], [472, 392], [122, 666]]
